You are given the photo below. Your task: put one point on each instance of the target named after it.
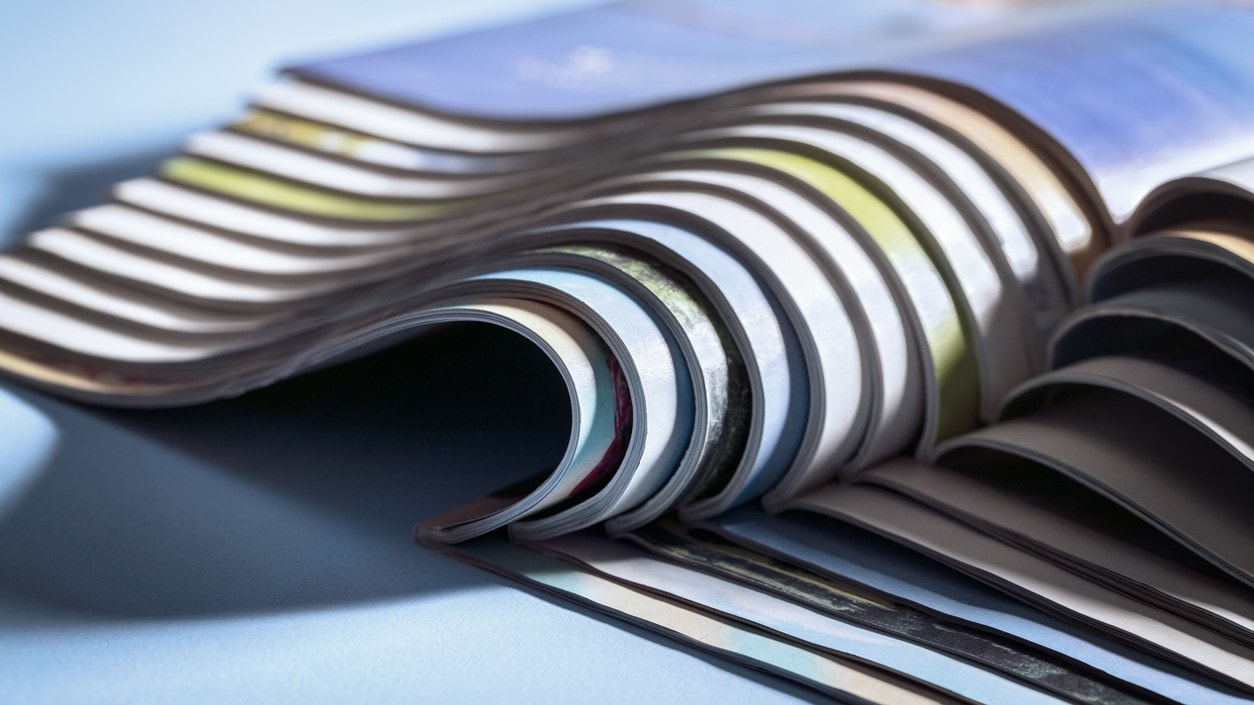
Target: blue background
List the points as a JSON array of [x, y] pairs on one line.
[[257, 549]]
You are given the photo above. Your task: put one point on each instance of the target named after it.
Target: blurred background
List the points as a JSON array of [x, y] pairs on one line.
[[99, 91]]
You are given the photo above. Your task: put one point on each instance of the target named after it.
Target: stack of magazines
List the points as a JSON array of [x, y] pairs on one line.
[[909, 348]]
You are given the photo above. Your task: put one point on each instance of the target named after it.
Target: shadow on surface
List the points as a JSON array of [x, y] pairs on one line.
[[301, 494], [68, 189]]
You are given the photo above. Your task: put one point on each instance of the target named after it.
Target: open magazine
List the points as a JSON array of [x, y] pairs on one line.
[[909, 350]]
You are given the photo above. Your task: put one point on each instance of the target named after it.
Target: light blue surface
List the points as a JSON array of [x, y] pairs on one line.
[[258, 550]]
